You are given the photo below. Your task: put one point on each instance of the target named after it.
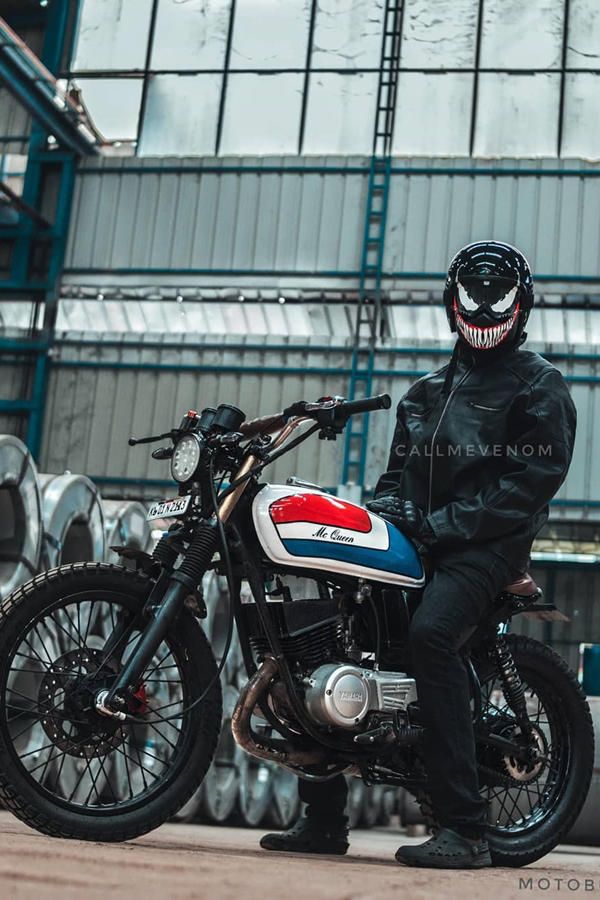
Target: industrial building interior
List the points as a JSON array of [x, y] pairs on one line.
[[253, 202]]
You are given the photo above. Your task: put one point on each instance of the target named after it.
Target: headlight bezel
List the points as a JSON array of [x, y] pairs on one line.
[[194, 441]]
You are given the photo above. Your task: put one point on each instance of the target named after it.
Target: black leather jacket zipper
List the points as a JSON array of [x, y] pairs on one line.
[[437, 428]]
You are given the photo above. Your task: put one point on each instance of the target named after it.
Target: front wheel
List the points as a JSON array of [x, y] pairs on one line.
[[67, 770], [532, 807]]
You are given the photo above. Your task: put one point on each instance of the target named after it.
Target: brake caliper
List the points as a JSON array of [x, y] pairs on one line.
[[138, 704]]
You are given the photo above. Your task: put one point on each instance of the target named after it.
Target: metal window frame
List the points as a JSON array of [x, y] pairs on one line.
[[308, 70]]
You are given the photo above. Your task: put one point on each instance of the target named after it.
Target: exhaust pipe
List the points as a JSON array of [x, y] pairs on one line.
[[278, 751]]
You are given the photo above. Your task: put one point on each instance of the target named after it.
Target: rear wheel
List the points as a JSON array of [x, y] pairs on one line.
[[532, 807], [67, 770]]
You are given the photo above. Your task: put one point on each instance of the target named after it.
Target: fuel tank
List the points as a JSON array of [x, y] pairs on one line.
[[305, 528]]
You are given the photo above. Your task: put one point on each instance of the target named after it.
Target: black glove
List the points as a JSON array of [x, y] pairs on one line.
[[294, 409], [406, 516]]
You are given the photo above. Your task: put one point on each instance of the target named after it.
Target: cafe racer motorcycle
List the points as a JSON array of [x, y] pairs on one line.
[[111, 699]]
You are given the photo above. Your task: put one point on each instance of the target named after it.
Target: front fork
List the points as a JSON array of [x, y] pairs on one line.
[[182, 582]]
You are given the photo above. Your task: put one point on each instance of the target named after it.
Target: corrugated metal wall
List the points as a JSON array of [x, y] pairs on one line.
[[306, 223], [575, 592], [106, 387], [292, 222]]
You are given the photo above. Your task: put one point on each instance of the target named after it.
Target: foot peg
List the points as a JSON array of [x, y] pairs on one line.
[[389, 733]]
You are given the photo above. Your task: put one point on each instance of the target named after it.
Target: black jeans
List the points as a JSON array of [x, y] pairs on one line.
[[457, 596], [454, 601], [325, 800]]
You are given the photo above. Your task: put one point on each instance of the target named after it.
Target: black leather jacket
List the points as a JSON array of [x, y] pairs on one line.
[[484, 456]]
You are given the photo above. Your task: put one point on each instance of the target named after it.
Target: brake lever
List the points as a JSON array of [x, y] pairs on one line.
[[150, 440]]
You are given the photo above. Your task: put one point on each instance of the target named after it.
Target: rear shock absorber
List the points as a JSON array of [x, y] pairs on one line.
[[511, 682]]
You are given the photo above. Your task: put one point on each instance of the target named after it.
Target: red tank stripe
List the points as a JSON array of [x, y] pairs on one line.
[[320, 509]]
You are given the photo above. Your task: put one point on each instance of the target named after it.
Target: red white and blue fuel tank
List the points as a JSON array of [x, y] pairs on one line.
[[305, 528]]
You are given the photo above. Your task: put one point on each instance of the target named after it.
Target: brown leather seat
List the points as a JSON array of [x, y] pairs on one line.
[[524, 586]]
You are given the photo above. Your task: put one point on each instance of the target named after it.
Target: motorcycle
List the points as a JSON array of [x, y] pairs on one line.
[[106, 672]]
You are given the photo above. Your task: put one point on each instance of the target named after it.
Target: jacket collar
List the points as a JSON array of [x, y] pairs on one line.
[[483, 358]]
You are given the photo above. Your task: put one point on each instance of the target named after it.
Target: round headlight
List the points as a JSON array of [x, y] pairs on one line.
[[185, 459]]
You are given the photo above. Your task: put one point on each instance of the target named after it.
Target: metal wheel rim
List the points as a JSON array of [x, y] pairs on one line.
[[99, 789]]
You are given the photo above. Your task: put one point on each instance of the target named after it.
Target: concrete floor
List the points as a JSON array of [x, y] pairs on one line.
[[194, 861]]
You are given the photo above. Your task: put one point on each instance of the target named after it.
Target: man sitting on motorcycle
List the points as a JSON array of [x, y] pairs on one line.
[[480, 448]]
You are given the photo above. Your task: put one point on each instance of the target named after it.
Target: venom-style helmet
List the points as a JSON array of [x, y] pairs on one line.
[[488, 294]]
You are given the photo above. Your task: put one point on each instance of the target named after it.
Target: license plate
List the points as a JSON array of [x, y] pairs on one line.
[[167, 508]]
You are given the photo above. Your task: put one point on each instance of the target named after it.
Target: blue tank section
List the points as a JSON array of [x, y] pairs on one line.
[[400, 558]]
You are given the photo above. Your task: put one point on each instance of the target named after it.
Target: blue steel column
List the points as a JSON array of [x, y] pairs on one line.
[[40, 162]]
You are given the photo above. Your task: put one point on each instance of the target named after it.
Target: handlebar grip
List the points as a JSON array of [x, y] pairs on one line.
[[369, 404]]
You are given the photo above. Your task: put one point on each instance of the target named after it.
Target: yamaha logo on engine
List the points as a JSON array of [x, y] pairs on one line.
[[351, 696]]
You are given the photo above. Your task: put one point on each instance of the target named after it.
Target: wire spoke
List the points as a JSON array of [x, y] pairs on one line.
[[50, 758], [170, 743], [517, 804], [79, 780], [42, 661], [37, 750], [139, 764]]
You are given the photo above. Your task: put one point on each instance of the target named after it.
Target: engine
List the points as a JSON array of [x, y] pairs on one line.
[[342, 694], [338, 694]]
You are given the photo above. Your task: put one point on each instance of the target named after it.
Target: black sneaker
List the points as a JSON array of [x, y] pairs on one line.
[[309, 836], [447, 850]]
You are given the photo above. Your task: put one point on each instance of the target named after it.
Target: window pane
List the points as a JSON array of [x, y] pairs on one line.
[[116, 121], [340, 115], [191, 35], [270, 34], [517, 115], [113, 34], [439, 34], [581, 124], [262, 114], [517, 35], [348, 34], [181, 115], [433, 114], [583, 45]]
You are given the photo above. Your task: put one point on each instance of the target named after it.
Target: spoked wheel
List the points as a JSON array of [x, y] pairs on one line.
[[535, 796], [67, 770]]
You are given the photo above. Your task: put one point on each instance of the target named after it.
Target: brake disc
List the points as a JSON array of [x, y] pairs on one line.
[[66, 701]]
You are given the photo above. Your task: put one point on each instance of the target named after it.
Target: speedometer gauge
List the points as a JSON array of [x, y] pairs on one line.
[[185, 459]]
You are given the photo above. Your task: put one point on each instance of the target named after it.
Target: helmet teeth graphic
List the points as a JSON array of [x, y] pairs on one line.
[[485, 338]]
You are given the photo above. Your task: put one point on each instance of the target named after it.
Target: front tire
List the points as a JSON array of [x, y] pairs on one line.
[[42, 620]]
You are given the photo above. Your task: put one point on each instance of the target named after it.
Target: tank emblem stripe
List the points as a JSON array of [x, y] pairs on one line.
[[402, 560], [320, 509], [376, 539]]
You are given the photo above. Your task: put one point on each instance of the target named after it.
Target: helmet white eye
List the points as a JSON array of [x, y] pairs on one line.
[[505, 303], [465, 301]]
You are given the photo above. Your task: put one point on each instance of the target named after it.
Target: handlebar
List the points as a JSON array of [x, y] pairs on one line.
[[367, 404], [330, 411], [262, 425]]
